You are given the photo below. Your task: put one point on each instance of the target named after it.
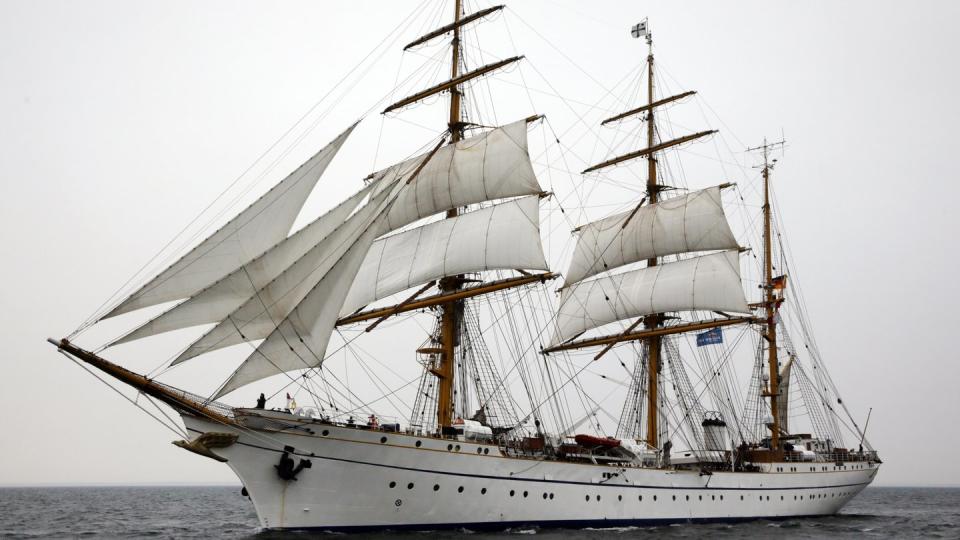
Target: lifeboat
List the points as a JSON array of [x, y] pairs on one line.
[[591, 441]]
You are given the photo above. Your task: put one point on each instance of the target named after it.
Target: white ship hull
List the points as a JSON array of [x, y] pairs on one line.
[[368, 480]]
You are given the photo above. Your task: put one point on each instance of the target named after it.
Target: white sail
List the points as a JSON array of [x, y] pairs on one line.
[[219, 300], [247, 235], [494, 165], [503, 236], [259, 315], [300, 340], [693, 222], [710, 282]]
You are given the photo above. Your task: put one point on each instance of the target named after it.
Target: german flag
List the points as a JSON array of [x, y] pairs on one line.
[[779, 283]]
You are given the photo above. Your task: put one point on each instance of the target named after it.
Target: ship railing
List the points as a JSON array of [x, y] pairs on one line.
[[836, 457], [205, 402]]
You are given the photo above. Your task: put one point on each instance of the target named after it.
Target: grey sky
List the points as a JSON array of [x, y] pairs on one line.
[[122, 120]]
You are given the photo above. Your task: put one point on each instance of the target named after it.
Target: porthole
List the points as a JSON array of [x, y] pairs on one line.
[[512, 493], [449, 447], [674, 497], [721, 497], [479, 450], [598, 498], [619, 497], [486, 451], [436, 487], [419, 444], [325, 432], [688, 497], [768, 497], [741, 497], [457, 448], [588, 497], [713, 497], [460, 489], [393, 485], [410, 485], [654, 498], [781, 497], [544, 496], [640, 498], [700, 497], [483, 491], [551, 496], [525, 494], [383, 440]]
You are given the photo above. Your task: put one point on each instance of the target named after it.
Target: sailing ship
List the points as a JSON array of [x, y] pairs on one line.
[[446, 232]]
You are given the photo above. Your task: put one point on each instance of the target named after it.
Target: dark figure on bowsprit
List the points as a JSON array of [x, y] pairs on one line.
[[261, 401]]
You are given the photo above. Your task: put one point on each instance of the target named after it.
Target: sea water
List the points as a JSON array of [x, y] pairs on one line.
[[214, 512]]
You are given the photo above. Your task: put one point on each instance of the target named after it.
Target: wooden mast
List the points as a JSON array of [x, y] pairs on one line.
[[774, 390], [770, 300], [653, 321], [449, 311]]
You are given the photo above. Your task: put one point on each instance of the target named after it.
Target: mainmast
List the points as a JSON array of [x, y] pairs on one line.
[[770, 299], [653, 321]]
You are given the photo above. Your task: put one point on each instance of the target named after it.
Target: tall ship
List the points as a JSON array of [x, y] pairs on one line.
[[504, 425]]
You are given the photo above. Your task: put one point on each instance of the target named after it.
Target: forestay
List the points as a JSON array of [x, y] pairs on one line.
[[710, 282], [486, 167], [250, 233], [216, 302], [503, 236], [693, 222]]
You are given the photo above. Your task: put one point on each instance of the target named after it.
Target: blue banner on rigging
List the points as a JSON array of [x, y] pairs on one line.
[[710, 337]]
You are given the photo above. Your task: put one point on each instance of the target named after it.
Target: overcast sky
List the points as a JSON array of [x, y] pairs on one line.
[[122, 120]]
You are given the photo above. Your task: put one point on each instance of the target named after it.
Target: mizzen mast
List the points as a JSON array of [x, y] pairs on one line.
[[771, 303]]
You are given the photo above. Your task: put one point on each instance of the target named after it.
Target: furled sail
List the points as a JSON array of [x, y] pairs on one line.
[[258, 316], [710, 282], [250, 233], [784, 387], [219, 300], [693, 222], [503, 236], [493, 165]]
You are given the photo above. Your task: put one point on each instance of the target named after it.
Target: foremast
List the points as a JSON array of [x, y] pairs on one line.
[[451, 313], [450, 301]]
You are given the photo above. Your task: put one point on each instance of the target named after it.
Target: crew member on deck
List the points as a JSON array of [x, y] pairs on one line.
[[261, 401]]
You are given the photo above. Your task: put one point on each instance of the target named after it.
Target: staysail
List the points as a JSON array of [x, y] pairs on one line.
[[503, 236], [219, 300], [710, 282], [689, 223], [250, 233]]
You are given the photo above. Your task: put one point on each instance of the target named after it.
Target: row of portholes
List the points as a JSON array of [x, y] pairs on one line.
[[436, 487], [545, 495], [483, 491]]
